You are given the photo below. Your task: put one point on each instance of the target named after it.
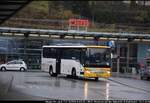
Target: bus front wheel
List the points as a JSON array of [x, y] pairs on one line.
[[96, 78], [51, 71], [73, 73]]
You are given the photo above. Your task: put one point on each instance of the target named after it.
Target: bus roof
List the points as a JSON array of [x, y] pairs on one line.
[[82, 46]]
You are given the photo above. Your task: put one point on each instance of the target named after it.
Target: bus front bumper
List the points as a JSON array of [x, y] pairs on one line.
[[89, 74]]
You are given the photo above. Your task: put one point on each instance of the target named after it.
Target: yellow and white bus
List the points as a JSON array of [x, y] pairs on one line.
[[85, 61]]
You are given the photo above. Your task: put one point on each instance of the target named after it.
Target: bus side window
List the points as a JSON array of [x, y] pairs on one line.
[[52, 53], [46, 52], [71, 54], [49, 52], [66, 54], [76, 54]]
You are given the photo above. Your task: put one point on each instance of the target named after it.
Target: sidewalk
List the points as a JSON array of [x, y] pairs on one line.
[[32, 70], [132, 83], [134, 76]]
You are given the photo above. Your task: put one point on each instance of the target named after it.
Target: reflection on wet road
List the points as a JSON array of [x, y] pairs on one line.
[[85, 90], [40, 84], [107, 91], [65, 88]]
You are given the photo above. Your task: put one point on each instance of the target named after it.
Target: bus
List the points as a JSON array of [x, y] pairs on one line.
[[77, 60]]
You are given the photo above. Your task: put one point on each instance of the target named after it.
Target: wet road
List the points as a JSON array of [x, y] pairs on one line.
[[39, 86]]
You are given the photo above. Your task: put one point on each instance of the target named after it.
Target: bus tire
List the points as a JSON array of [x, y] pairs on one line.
[[55, 74], [96, 78], [51, 71], [73, 73]]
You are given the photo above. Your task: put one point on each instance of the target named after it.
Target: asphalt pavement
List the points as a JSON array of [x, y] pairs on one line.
[[40, 86]]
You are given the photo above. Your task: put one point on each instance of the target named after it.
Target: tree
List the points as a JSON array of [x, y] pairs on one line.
[[78, 7], [132, 3]]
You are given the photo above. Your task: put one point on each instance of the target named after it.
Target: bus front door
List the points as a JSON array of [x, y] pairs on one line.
[[58, 61]]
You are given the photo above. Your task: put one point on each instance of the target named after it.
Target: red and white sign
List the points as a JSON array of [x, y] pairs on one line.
[[78, 22]]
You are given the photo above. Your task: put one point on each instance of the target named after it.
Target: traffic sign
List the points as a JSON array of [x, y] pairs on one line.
[[79, 22]]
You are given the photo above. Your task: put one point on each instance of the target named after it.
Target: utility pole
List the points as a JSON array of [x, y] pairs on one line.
[[118, 59], [128, 57], [25, 47]]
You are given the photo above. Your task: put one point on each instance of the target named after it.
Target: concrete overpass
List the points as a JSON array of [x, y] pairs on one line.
[[10, 7], [64, 34]]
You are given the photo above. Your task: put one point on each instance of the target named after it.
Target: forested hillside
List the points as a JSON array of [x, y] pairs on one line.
[[108, 16]]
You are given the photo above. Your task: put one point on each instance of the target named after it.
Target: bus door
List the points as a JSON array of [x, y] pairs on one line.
[[58, 61]]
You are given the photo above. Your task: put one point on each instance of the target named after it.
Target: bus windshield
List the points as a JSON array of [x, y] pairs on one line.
[[97, 57]]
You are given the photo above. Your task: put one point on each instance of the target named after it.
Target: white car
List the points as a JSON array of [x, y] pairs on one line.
[[14, 65]]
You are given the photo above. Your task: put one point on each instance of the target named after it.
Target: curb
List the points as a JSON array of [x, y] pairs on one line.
[[133, 77], [34, 71], [129, 85], [127, 76]]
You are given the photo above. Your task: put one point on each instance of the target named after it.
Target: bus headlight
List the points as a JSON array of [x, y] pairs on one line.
[[108, 72], [87, 71]]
